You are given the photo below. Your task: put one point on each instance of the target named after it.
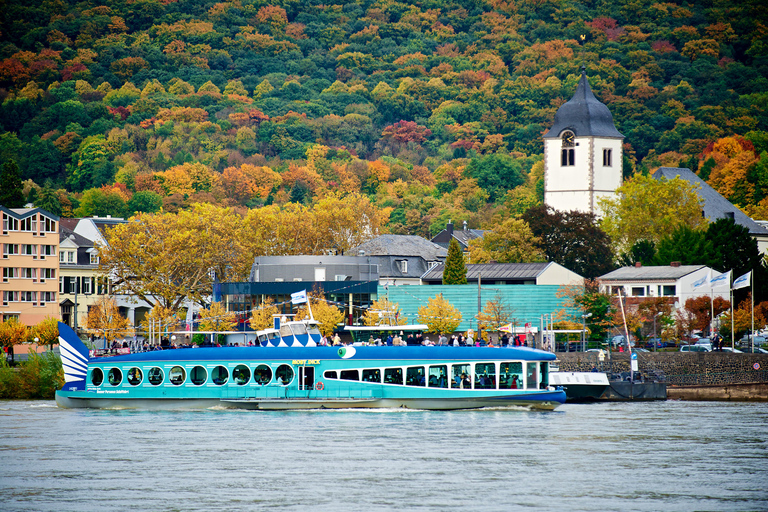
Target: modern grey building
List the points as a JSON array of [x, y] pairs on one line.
[[402, 259]]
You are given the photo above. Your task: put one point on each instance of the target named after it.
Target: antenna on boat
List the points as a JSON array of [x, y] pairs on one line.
[[629, 343]]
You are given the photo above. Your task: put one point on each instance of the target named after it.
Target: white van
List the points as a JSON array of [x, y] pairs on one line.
[[695, 348]]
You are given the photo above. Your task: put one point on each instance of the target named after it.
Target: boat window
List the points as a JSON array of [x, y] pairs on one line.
[[299, 328], [219, 375], [285, 330], [331, 374], [415, 376], [274, 335], [438, 376], [544, 368], [393, 375], [115, 376], [97, 376], [155, 376], [312, 329], [511, 375], [350, 375], [372, 375], [262, 339], [134, 376], [461, 376], [262, 374], [531, 382], [198, 375], [241, 374], [485, 376], [177, 375], [284, 374]]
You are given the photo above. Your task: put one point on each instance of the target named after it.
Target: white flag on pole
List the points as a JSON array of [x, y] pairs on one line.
[[720, 279], [742, 282], [299, 297], [701, 282]]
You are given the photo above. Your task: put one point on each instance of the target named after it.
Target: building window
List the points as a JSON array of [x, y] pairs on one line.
[[10, 249], [10, 273], [638, 291], [47, 297], [49, 225], [87, 287], [27, 296], [26, 224], [94, 258], [668, 290], [29, 250], [47, 250], [10, 223], [568, 155], [10, 297], [61, 284], [403, 264], [47, 273], [29, 273], [607, 158]]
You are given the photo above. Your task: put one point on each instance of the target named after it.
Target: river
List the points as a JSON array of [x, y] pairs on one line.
[[611, 456]]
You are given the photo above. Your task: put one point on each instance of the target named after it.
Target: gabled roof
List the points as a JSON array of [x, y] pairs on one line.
[[401, 245], [715, 206], [79, 240], [23, 213], [584, 115], [494, 271], [652, 273]]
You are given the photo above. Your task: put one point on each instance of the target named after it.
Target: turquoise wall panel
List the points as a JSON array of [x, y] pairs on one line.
[[527, 303]]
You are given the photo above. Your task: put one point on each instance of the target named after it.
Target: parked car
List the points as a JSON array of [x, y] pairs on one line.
[[695, 348], [704, 342], [734, 350], [758, 340], [756, 350]]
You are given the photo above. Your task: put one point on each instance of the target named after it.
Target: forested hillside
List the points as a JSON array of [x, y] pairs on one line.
[[434, 110]]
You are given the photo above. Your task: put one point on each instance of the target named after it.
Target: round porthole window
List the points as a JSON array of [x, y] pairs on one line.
[[155, 376], [284, 375], [115, 376], [97, 376], [134, 376], [241, 375], [177, 375], [198, 375], [262, 374], [219, 375]]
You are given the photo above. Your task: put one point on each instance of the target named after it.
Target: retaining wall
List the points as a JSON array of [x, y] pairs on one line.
[[676, 368]]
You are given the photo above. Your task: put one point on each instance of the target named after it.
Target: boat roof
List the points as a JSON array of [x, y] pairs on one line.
[[420, 354], [379, 328]]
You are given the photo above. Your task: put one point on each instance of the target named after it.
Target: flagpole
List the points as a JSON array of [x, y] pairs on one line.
[[733, 334], [629, 343], [752, 296]]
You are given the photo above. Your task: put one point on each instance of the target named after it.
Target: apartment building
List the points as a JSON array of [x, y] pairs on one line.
[[30, 264]]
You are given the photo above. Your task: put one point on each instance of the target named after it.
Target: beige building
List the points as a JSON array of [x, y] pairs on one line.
[[30, 264]]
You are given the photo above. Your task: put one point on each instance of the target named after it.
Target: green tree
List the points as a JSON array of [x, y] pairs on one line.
[[11, 194], [733, 248], [686, 245], [144, 201], [496, 173], [572, 239], [455, 272], [642, 251]]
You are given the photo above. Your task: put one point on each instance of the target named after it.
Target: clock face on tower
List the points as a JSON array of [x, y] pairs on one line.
[[568, 139]]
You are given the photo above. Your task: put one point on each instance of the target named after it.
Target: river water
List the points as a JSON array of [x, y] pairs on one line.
[[612, 456]]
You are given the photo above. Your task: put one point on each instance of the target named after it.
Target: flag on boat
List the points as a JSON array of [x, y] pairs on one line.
[[299, 297], [701, 282], [742, 282], [720, 279]]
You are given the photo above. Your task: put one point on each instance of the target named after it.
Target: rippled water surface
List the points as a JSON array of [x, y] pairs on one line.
[[641, 456]]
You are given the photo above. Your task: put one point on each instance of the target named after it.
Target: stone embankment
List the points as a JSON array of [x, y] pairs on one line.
[[689, 376]]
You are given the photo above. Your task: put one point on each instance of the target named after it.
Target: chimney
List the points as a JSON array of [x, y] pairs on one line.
[[674, 264], [730, 215], [638, 264], [449, 228]]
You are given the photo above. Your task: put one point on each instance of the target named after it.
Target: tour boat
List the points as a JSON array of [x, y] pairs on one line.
[[289, 370]]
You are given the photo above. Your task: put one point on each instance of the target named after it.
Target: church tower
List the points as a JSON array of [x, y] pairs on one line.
[[582, 153]]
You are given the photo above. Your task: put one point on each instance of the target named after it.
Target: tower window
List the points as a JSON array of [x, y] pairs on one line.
[[567, 158], [607, 158]]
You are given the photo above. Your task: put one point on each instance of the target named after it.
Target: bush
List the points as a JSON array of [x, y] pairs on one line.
[[38, 377]]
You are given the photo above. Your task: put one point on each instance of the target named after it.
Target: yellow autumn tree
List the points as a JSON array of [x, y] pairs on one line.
[[13, 332], [648, 209], [439, 315], [511, 241], [494, 315], [105, 321], [47, 331], [217, 318], [327, 315], [384, 312], [160, 320], [262, 317]]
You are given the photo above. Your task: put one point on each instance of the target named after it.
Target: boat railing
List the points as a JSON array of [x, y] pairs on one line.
[[278, 392]]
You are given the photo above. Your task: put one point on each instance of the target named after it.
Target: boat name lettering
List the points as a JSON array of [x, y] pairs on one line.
[[305, 361], [112, 391]]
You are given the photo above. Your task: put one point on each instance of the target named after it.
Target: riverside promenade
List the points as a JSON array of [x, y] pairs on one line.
[[689, 376]]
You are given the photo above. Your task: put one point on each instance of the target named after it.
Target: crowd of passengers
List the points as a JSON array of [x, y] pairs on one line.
[[456, 340]]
